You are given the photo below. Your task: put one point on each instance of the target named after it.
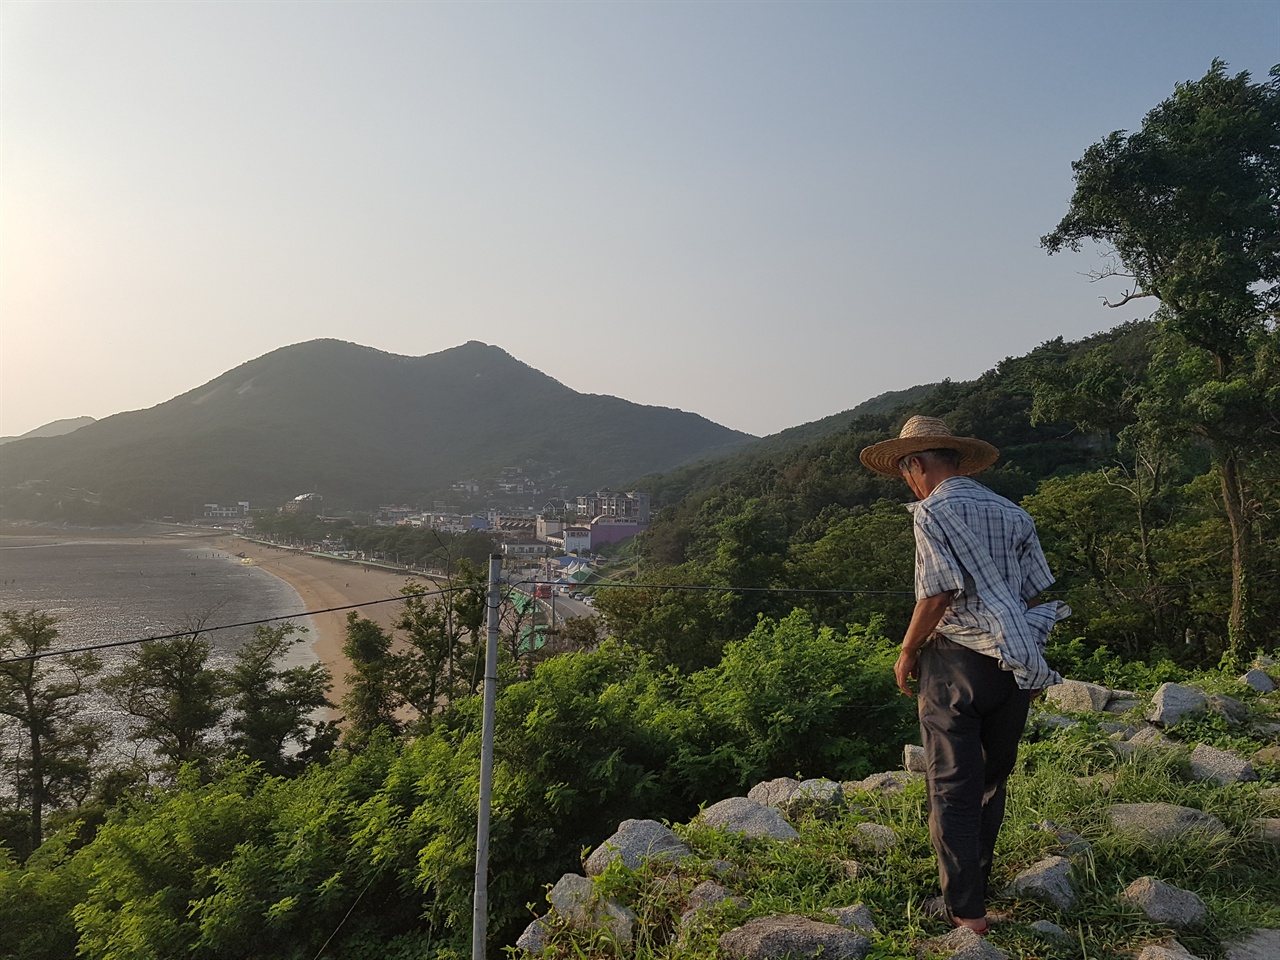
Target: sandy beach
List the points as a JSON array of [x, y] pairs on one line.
[[323, 584]]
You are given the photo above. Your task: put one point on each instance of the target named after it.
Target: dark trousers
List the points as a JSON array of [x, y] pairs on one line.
[[971, 718]]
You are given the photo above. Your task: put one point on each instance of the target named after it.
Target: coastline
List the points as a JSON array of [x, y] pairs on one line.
[[322, 584]]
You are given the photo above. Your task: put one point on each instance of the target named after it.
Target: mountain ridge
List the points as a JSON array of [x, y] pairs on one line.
[[362, 425]]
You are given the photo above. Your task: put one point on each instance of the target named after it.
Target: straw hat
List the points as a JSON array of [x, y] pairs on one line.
[[928, 433]]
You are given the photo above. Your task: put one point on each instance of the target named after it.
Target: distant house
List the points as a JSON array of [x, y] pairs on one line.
[[613, 530]]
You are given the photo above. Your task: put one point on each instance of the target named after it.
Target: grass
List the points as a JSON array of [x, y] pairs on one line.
[[1236, 877]]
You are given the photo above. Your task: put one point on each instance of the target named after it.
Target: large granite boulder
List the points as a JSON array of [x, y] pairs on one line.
[[1229, 708], [635, 842], [1076, 696], [1259, 680], [1262, 944], [1164, 822], [1164, 903], [1220, 766], [740, 815], [1173, 701], [772, 938], [574, 900], [1048, 881]]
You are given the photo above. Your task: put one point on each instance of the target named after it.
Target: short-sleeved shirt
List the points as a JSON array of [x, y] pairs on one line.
[[983, 550]]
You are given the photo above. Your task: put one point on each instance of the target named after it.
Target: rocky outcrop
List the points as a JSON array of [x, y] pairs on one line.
[[1259, 945]]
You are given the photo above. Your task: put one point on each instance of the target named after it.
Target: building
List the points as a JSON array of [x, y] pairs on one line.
[[311, 503], [214, 512], [606, 530], [525, 548], [572, 540], [622, 506]]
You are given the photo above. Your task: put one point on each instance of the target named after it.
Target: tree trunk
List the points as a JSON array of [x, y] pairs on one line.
[[1233, 500], [34, 731]]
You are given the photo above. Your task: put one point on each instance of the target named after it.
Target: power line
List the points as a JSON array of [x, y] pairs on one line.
[[224, 626]]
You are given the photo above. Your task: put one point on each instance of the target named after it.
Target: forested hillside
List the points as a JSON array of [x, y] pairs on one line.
[[357, 425]]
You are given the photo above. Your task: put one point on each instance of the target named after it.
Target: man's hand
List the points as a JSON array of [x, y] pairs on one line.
[[905, 669]]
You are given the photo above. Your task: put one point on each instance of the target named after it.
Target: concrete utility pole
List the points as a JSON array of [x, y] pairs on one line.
[[480, 905]]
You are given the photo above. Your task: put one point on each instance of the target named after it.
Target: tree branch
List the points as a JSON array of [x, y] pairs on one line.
[[1129, 295]]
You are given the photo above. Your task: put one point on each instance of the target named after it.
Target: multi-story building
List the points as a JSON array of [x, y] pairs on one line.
[[632, 505]]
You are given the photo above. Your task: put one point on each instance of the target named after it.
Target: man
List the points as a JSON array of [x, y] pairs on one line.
[[975, 645]]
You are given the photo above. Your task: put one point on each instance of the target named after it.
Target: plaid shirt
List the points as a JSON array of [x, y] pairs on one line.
[[982, 549]]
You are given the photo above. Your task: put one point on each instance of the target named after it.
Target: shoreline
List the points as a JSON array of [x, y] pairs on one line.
[[322, 584]]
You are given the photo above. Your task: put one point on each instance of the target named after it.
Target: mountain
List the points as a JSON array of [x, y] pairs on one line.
[[54, 429], [357, 425]]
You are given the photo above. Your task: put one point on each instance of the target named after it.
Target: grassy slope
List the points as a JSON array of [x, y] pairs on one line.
[[1236, 879]]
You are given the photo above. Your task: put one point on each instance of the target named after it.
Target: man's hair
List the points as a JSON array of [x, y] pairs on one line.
[[943, 456]]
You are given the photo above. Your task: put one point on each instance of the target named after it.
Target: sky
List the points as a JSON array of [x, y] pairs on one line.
[[764, 213]]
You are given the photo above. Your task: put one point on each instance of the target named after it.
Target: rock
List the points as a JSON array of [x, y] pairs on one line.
[[1164, 822], [1049, 881], [1074, 844], [853, 869], [1259, 680], [816, 798], [1164, 903], [1229, 708], [1169, 950], [1268, 757], [1267, 829], [913, 759], [1054, 721], [1075, 696], [740, 815], [874, 837], [1049, 930], [1262, 663], [1269, 794], [1102, 782], [893, 781], [774, 793], [857, 917], [962, 944], [534, 938], [706, 894], [1267, 729], [766, 938], [724, 869], [1262, 944], [1173, 701], [1148, 738], [573, 899], [1116, 730], [635, 842], [1123, 705], [1220, 766]]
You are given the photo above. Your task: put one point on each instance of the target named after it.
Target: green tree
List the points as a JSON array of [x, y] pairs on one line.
[[1188, 204], [42, 697], [273, 704], [175, 699], [371, 699]]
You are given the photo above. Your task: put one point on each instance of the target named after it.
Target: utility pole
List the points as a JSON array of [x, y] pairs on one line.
[[480, 905]]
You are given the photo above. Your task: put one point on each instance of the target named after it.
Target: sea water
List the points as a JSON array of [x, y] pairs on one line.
[[105, 590]]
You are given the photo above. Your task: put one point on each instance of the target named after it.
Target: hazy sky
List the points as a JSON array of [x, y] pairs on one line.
[[764, 213]]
